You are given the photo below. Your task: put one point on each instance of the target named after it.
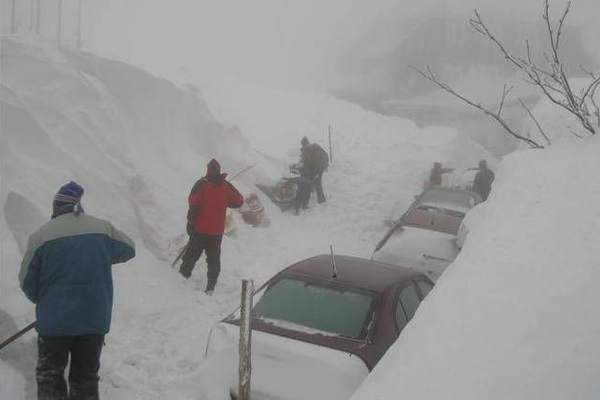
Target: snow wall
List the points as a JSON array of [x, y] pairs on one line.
[[515, 316]]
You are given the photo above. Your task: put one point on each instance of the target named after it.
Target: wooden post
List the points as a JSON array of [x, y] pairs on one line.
[[245, 369], [13, 17], [59, 25], [330, 147]]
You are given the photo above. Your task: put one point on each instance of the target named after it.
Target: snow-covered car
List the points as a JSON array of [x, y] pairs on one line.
[[318, 330], [423, 239], [448, 201]]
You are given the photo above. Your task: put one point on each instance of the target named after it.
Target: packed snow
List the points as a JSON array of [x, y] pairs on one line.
[[514, 317], [137, 143]]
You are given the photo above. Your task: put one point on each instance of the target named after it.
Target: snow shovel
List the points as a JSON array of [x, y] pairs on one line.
[[17, 335]]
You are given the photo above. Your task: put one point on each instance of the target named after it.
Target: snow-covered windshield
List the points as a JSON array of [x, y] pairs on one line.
[[331, 310], [448, 200]]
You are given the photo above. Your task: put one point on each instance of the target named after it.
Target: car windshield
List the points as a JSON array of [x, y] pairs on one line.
[[305, 306], [447, 200]]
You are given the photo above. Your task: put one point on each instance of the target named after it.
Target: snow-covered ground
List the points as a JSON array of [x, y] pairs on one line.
[[515, 316], [137, 143]]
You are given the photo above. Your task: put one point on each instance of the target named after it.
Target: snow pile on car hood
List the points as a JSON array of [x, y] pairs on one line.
[[515, 317]]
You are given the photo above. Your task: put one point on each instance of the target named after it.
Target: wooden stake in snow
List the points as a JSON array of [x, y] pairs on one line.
[[245, 340]]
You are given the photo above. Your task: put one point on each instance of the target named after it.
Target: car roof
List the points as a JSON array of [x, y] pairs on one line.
[[353, 272]]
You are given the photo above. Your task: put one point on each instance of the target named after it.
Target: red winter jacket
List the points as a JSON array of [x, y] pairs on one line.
[[208, 203]]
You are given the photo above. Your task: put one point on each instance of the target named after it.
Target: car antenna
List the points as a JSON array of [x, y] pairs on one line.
[[333, 266]]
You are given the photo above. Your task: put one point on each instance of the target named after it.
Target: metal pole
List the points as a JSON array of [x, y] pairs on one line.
[[330, 147], [59, 27], [13, 17], [79, 17], [31, 15], [245, 368], [38, 10]]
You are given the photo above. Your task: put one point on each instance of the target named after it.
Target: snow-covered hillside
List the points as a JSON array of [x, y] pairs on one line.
[[137, 143], [515, 316]]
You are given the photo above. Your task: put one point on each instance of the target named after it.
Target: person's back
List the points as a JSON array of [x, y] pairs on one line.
[[316, 161], [67, 273], [482, 184], [208, 202]]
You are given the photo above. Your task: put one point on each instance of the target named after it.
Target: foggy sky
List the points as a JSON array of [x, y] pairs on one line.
[[303, 43]]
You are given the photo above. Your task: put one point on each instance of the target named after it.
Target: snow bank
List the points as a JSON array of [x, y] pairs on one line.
[[12, 385], [515, 317], [558, 124], [137, 143]]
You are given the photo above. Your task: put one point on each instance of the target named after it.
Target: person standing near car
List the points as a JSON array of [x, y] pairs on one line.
[[482, 184], [435, 176], [315, 162], [66, 272], [208, 202]]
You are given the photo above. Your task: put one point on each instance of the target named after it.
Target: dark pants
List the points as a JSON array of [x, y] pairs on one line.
[[197, 244], [302, 193], [53, 357], [318, 184]]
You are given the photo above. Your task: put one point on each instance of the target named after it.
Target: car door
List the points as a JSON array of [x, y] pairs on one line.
[[407, 302]]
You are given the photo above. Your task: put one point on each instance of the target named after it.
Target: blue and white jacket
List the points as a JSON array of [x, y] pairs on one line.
[[67, 273]]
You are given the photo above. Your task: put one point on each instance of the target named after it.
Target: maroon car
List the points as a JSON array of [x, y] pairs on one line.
[[315, 324]]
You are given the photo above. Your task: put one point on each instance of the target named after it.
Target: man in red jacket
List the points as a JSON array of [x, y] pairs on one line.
[[208, 202]]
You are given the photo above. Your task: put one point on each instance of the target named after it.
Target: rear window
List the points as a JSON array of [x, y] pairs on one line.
[[305, 306], [447, 200]]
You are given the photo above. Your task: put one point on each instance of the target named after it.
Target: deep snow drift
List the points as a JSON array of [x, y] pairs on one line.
[[515, 316], [137, 143]]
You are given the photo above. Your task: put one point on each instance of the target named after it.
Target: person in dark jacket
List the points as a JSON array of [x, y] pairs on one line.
[[482, 184], [208, 202], [435, 176], [315, 161], [66, 272], [303, 190]]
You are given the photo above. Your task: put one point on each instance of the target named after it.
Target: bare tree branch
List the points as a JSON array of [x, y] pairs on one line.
[[430, 76], [550, 77], [537, 123]]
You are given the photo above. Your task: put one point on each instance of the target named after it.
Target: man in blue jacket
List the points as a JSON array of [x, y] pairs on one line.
[[66, 272]]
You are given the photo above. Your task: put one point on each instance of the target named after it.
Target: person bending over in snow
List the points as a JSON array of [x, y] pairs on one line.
[[66, 272], [315, 161], [208, 202], [482, 184]]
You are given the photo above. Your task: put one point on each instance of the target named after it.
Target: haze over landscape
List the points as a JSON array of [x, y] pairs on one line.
[[135, 105]]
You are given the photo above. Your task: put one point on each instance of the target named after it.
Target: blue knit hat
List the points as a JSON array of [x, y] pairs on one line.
[[68, 198]]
